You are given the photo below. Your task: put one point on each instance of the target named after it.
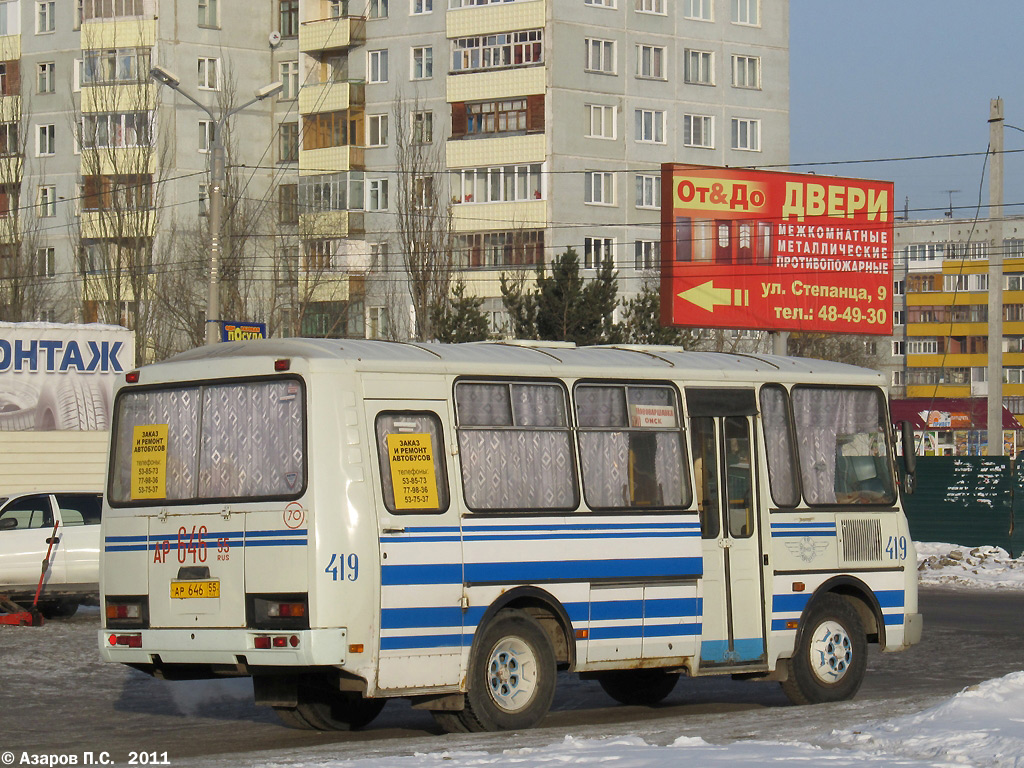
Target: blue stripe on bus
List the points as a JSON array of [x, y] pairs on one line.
[[672, 630], [818, 534], [790, 603], [803, 525], [892, 619], [405, 575], [540, 536], [779, 625], [281, 538], [650, 609], [425, 641], [584, 570], [891, 598]]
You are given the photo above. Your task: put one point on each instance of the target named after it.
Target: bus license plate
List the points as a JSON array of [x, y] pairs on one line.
[[188, 589]]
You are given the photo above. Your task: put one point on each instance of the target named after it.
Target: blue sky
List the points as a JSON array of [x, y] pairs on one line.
[[874, 79]]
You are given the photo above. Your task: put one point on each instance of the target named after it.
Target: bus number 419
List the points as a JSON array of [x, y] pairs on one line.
[[343, 567]]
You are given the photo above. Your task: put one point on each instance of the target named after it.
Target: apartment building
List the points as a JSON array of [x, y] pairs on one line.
[[939, 349], [535, 125]]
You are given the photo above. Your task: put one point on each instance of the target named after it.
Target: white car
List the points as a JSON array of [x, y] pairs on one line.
[[28, 524]]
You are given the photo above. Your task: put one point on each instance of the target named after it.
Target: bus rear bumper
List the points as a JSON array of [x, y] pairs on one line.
[[225, 647], [913, 624]]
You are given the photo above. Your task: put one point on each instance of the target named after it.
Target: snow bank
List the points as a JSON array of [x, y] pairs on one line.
[[985, 567]]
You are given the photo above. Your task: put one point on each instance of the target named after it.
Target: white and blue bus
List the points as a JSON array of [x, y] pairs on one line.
[[349, 521]]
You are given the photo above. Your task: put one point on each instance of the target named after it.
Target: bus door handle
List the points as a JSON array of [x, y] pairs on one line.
[[393, 530], [724, 543]]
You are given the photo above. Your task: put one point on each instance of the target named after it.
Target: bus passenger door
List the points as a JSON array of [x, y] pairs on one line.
[[420, 537], [721, 434]]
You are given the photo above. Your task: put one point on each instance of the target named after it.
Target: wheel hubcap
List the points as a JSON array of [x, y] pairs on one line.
[[831, 652], [512, 674]]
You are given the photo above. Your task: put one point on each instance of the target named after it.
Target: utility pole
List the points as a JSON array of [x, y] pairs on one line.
[[995, 279]]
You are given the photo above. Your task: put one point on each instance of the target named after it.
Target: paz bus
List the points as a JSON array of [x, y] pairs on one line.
[[349, 521]]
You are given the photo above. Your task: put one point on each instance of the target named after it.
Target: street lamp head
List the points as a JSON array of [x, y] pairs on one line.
[[164, 76], [269, 90]]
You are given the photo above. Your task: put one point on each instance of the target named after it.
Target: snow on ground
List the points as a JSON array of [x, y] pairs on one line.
[[977, 727]]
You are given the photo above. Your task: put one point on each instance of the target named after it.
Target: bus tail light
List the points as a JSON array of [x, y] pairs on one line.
[[131, 640], [268, 642], [127, 612], [289, 611]]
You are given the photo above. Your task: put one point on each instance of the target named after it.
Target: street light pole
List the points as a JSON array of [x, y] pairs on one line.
[[218, 175]]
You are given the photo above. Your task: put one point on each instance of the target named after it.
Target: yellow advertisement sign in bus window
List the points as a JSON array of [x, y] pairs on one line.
[[149, 461], [413, 477]]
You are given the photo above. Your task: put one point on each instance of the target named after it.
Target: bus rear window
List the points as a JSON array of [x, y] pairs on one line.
[[238, 440]]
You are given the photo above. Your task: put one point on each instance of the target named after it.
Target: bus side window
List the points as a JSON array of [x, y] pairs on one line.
[[704, 449]]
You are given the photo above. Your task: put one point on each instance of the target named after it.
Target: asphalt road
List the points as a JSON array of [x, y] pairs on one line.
[[56, 696]]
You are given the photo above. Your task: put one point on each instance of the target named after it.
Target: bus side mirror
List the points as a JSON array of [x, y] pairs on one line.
[[909, 458]]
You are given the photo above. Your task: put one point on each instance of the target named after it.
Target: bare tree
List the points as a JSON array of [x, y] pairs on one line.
[[123, 166], [841, 348], [424, 217]]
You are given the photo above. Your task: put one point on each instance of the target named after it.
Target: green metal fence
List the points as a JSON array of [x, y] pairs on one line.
[[968, 500]]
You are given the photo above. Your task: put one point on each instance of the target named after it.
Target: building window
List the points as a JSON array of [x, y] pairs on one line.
[[746, 134], [647, 254], [377, 67], [47, 201], [697, 9], [422, 6], [44, 77], [699, 68], [208, 74], [207, 13], [343, 128], [698, 131], [650, 62], [899, 287], [9, 140], [109, 9], [289, 18], [289, 142], [648, 191], [422, 63], [289, 76], [650, 126], [599, 188], [46, 262], [501, 51], [377, 322], [600, 121], [288, 203], [376, 130], [8, 79], [7, 21], [376, 194], [422, 127], [597, 251], [487, 250], [746, 72], [116, 130], [498, 184], [650, 6], [106, 66], [46, 140], [899, 348], [45, 16], [207, 135], [600, 56], [343, 191], [600, 3], [377, 9], [490, 117], [204, 199], [745, 12], [899, 317]]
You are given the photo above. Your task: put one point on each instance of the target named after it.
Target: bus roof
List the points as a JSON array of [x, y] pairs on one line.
[[539, 358]]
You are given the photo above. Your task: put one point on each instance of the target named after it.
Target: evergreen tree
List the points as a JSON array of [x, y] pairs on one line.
[[564, 306], [460, 317], [641, 323]]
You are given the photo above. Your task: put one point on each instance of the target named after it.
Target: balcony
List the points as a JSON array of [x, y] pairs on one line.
[[497, 150], [496, 17], [125, 97], [472, 217], [127, 32], [331, 97], [313, 162], [119, 161], [322, 35], [496, 84], [120, 224], [331, 224]]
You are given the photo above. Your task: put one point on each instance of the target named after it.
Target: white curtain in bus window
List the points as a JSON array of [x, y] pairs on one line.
[[420, 470], [252, 441], [779, 447], [631, 449], [841, 438], [179, 410], [514, 446]]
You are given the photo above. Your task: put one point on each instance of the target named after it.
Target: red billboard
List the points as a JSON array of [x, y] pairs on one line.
[[766, 250]]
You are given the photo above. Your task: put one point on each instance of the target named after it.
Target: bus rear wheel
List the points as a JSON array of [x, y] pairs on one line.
[[511, 679], [831, 654], [323, 709], [638, 687]]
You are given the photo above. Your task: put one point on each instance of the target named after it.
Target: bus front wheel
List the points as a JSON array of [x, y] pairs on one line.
[[511, 676], [831, 654]]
